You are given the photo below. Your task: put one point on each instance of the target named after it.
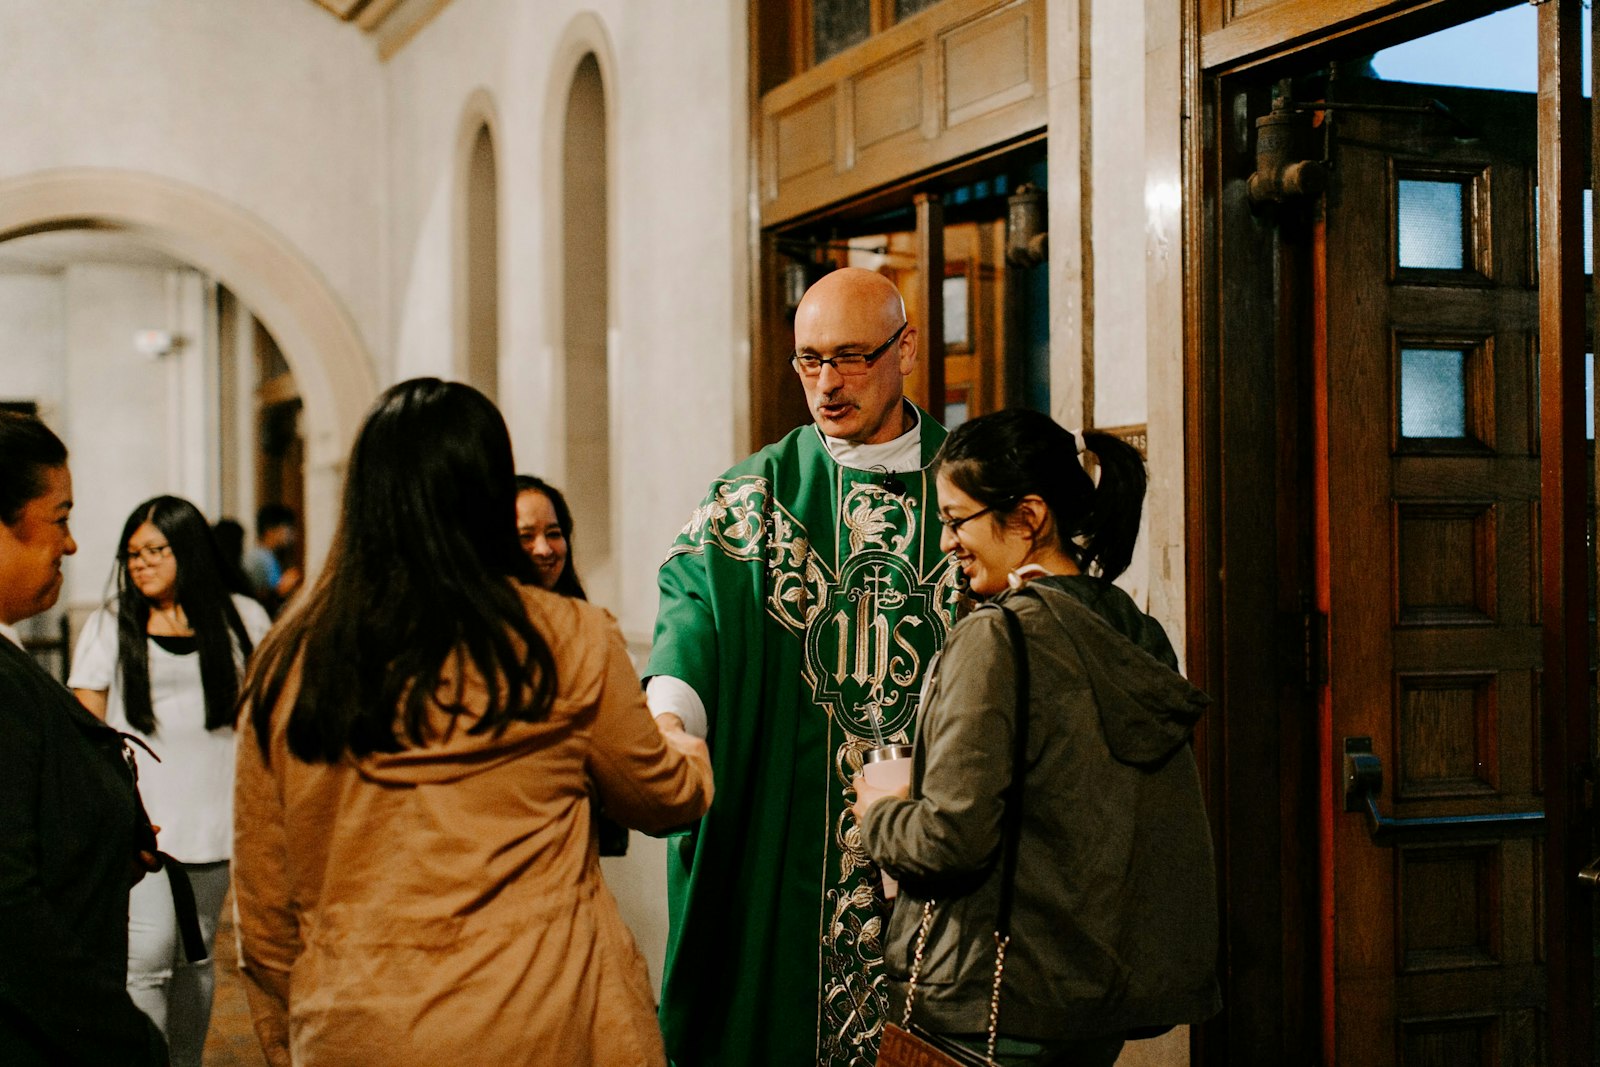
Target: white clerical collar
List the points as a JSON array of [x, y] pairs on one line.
[[10, 634], [902, 454]]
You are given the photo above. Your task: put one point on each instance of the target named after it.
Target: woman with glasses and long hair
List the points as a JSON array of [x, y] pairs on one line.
[[416, 878], [163, 662], [1100, 853]]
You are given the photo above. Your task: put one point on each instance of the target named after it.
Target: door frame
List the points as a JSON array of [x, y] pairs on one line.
[[1269, 770]]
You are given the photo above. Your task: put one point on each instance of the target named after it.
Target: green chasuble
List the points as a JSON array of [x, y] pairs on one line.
[[801, 600]]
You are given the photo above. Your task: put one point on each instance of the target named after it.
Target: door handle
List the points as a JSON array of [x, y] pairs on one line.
[[1590, 875], [1363, 781]]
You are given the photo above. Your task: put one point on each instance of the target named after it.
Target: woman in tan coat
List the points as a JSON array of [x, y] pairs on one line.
[[416, 875]]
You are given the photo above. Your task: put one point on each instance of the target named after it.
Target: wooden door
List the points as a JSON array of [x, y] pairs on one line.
[[1428, 572]]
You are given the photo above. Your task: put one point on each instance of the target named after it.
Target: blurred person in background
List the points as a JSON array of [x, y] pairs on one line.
[[272, 580]]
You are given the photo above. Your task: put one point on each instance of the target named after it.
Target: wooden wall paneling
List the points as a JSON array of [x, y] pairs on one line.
[[894, 114], [1566, 702], [987, 64], [804, 137], [888, 99]]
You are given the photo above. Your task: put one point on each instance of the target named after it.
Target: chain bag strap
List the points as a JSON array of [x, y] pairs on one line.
[[907, 1044]]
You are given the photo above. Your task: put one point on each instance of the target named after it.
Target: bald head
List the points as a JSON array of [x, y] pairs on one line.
[[865, 292], [856, 312]]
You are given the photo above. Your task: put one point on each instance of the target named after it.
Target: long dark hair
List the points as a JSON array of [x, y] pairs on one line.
[[27, 449], [418, 582], [202, 591], [567, 583], [1000, 458]]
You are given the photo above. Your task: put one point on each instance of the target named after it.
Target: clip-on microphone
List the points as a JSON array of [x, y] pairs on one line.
[[892, 483]]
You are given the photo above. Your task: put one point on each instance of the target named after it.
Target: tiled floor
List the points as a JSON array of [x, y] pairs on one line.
[[231, 1041]]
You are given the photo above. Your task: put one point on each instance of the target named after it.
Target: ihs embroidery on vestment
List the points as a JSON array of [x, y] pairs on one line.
[[869, 620]]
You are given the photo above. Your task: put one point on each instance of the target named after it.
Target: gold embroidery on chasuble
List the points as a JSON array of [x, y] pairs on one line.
[[869, 622]]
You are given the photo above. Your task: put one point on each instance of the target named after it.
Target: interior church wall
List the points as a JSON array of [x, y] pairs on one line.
[[675, 95], [135, 423], [33, 341], [273, 109], [1117, 255]]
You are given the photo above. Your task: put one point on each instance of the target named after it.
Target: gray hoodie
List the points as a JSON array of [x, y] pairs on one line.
[[1114, 926]]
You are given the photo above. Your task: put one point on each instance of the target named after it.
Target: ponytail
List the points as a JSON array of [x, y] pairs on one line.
[[1000, 458], [1108, 531]]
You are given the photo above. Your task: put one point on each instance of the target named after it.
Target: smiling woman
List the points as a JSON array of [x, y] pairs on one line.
[[71, 827]]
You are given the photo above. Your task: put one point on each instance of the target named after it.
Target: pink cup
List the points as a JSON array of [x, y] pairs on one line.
[[888, 767]]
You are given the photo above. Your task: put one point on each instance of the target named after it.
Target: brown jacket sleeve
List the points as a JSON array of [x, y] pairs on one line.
[[643, 782], [268, 932]]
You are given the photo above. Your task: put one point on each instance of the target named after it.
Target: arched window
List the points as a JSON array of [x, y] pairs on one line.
[[480, 338], [586, 313]]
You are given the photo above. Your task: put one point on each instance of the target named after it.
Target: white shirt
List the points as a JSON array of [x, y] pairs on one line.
[[189, 794], [10, 634], [667, 695]]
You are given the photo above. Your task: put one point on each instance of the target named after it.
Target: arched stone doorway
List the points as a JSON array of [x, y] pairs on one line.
[[318, 337]]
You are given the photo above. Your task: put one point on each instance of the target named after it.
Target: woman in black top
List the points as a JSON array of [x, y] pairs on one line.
[[69, 812]]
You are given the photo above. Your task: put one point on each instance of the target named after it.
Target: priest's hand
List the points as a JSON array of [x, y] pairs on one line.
[[868, 795], [673, 733]]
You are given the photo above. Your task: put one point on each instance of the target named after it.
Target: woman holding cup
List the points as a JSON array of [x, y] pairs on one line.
[[1055, 798]]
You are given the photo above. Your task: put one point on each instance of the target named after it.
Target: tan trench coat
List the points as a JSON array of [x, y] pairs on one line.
[[444, 904]]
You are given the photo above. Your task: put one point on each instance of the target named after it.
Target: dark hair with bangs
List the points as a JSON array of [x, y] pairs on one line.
[[27, 449], [998, 459], [567, 583], [202, 591], [422, 576]]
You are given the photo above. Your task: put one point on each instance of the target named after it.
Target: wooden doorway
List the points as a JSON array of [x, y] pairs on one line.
[[1389, 481], [1426, 444]]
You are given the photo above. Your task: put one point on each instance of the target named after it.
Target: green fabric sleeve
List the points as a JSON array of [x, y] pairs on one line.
[[685, 644]]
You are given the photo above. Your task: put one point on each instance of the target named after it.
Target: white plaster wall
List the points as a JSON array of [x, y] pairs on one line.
[[679, 221], [1117, 255], [33, 340], [679, 270], [136, 425], [273, 106]]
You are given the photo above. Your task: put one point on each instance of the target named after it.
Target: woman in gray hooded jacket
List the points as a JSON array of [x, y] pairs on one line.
[[1114, 919]]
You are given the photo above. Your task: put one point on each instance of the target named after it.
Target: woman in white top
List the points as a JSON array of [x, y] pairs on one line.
[[163, 662]]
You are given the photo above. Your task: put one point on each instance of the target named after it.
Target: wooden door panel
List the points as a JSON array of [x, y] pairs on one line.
[[1431, 577]]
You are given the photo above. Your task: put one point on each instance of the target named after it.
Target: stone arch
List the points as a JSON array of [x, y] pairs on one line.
[[580, 142], [319, 339], [477, 246]]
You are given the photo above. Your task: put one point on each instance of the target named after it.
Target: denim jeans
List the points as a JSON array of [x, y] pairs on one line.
[[175, 993]]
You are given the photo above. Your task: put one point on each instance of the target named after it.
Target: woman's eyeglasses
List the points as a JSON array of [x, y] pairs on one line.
[[149, 554], [954, 525]]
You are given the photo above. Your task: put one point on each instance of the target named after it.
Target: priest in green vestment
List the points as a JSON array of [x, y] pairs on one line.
[[800, 607]]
